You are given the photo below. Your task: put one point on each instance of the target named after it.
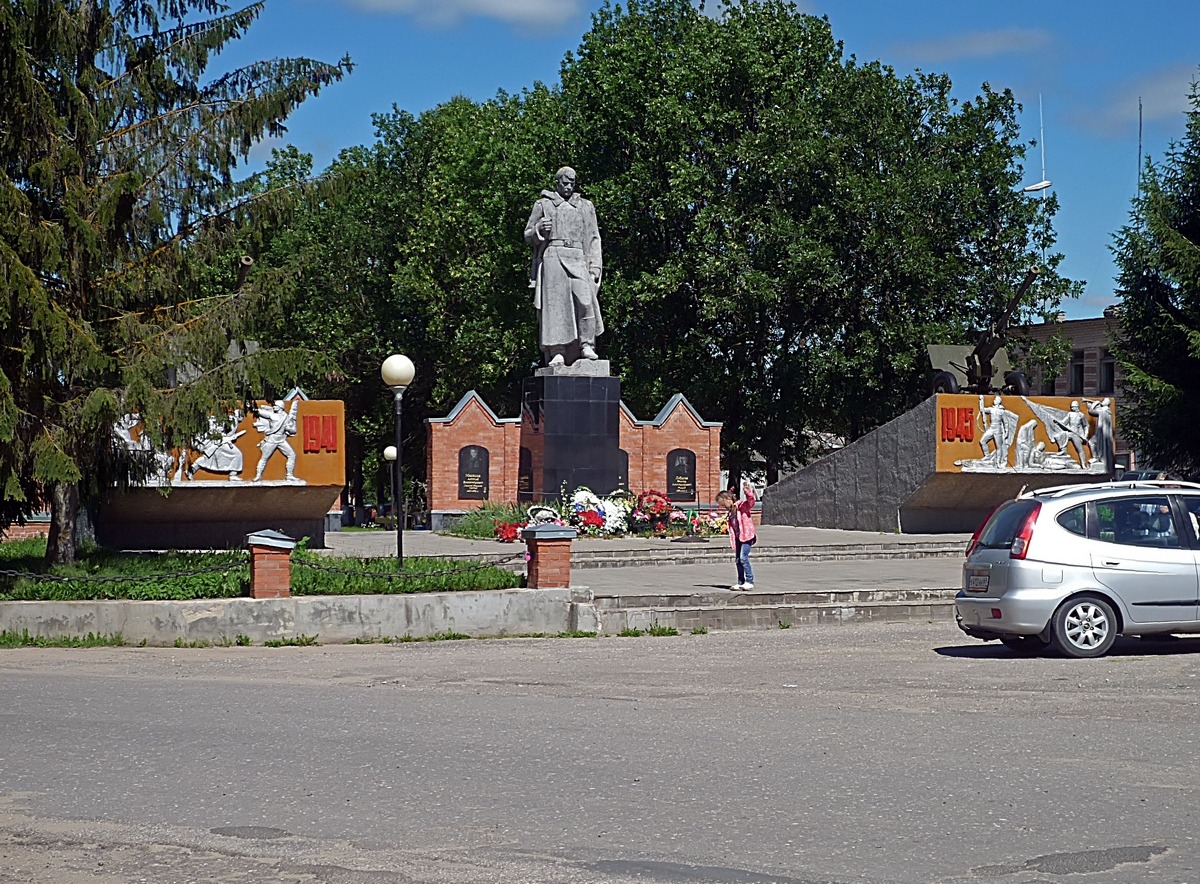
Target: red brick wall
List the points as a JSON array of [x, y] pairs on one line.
[[29, 529], [647, 446], [473, 426]]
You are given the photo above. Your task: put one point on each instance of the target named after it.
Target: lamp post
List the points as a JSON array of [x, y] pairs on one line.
[[389, 454], [397, 372]]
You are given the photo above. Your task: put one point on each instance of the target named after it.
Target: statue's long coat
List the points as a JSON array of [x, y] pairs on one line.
[[567, 264]]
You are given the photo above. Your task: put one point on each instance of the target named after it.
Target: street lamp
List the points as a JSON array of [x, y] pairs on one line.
[[397, 372], [389, 454]]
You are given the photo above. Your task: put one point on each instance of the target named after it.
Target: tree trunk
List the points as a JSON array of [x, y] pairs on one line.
[[64, 510], [772, 471]]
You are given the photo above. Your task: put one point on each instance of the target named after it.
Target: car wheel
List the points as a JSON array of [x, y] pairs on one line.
[[1084, 627], [944, 382], [1023, 644]]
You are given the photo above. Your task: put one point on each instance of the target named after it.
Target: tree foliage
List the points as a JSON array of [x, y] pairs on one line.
[[786, 227], [1158, 256], [121, 221]]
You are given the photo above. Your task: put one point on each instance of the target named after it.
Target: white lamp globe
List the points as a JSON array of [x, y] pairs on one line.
[[389, 453], [397, 371]]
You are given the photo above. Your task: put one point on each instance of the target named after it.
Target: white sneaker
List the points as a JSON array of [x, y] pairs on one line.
[[747, 586]]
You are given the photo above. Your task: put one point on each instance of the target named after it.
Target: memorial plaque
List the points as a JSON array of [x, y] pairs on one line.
[[473, 473], [622, 470], [681, 475]]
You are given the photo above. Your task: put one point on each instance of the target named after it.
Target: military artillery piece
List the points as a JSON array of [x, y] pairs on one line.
[[961, 368]]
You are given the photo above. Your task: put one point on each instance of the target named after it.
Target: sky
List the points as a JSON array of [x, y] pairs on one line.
[[1079, 68]]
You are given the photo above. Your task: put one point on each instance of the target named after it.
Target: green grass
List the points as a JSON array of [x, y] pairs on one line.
[[479, 524], [699, 630], [170, 576], [662, 630], [91, 640], [299, 641], [379, 576], [142, 576]]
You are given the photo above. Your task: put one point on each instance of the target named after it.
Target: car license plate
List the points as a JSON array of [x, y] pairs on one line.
[[977, 582]]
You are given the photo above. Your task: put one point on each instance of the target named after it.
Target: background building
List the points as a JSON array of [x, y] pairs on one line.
[[1092, 371]]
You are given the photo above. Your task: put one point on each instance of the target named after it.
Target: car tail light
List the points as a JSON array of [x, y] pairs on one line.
[[979, 530], [1020, 544]]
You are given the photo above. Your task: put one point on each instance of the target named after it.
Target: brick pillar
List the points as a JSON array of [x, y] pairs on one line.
[[270, 564], [549, 556]]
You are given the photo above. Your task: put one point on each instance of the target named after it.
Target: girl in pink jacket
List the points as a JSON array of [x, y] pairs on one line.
[[741, 532]]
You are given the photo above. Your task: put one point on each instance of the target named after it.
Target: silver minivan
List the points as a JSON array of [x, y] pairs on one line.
[[1072, 567]]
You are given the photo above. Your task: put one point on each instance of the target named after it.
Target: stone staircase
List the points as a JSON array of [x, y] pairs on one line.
[[717, 551], [753, 610]]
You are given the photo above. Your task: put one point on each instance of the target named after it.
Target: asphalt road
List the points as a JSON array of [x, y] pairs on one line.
[[832, 754]]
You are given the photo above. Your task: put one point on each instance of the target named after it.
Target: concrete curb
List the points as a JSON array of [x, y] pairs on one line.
[[332, 619]]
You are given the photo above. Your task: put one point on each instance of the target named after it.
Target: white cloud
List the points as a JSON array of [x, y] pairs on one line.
[[1163, 93], [975, 44], [443, 13]]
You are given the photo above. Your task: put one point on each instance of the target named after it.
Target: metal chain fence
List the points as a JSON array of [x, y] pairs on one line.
[[135, 578], [477, 566]]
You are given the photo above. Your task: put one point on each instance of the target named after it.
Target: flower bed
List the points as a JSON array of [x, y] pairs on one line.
[[618, 515]]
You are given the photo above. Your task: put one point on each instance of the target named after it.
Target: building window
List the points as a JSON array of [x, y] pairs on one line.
[[1049, 382], [1108, 373], [1076, 373]]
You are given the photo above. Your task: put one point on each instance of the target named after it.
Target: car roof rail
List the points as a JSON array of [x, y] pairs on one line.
[[1082, 487]]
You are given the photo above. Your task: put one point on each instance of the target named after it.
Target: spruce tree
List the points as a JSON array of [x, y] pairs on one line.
[[121, 226], [1158, 256]]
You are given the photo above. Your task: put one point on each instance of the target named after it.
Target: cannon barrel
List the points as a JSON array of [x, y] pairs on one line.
[[244, 265]]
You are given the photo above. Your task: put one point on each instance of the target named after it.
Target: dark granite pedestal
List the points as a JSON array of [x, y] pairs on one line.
[[570, 433]]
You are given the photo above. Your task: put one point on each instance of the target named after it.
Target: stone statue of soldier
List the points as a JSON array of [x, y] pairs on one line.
[[566, 270]]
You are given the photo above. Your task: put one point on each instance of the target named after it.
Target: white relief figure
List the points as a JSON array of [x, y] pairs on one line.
[[1026, 448], [123, 429], [1101, 441], [999, 428], [1073, 430], [276, 423], [218, 450]]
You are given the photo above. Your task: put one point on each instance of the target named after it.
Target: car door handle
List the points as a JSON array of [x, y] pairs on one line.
[[1110, 564]]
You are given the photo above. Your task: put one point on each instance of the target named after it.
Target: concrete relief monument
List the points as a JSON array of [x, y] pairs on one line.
[[208, 504], [1074, 447], [276, 423], [218, 450], [565, 272]]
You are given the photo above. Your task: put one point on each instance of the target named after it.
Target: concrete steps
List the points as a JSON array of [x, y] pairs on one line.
[[724, 610], [718, 552]]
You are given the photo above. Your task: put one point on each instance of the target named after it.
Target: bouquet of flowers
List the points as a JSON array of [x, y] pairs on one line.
[[651, 510], [507, 532], [597, 516]]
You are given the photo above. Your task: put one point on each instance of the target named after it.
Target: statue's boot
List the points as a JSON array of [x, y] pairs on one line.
[[558, 359], [587, 351]]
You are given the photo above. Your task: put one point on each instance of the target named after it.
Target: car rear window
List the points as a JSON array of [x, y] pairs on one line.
[[1074, 520], [1004, 524]]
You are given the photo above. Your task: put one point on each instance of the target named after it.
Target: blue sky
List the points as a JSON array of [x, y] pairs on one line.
[[1088, 62]]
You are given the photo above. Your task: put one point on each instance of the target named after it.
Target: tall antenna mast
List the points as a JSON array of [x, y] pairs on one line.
[[1042, 140], [1139, 168]]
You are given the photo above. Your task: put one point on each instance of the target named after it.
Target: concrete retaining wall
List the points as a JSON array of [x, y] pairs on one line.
[[333, 619]]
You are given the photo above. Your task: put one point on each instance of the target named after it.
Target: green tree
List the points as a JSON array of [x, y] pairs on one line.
[[119, 214], [787, 228], [420, 252], [1158, 256]]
